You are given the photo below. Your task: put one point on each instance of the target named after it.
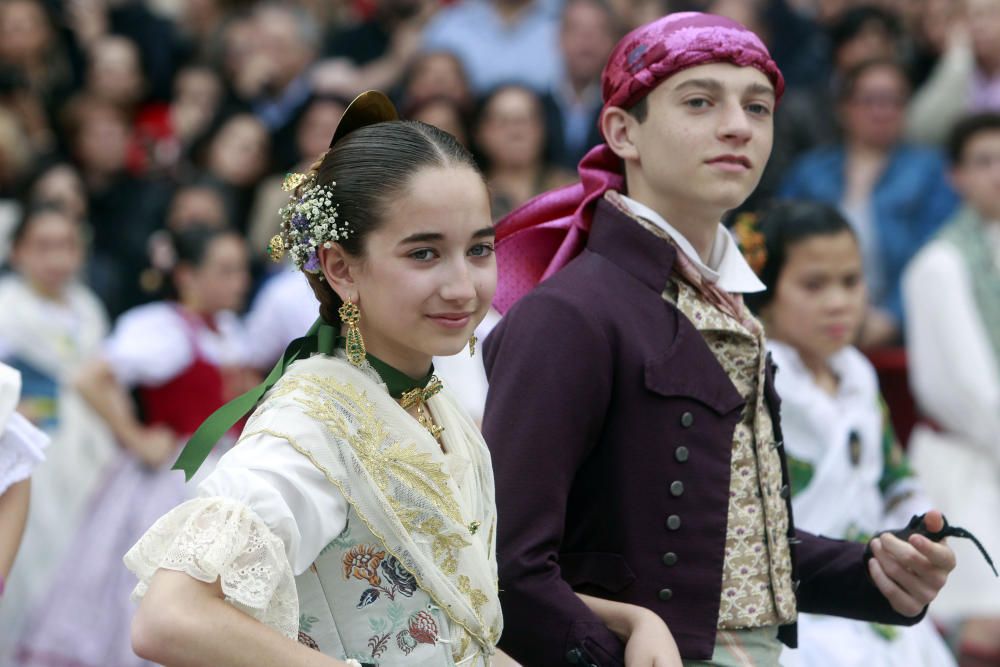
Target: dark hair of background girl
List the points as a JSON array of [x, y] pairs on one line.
[[371, 166], [191, 246], [784, 224], [33, 212]]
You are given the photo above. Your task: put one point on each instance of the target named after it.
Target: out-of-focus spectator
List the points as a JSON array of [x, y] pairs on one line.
[[115, 72], [35, 73], [589, 30], [952, 294], [277, 72], [443, 113], [895, 195], [499, 41], [124, 209], [374, 37], [510, 138], [436, 74], [60, 184], [15, 161], [165, 134], [185, 358], [55, 324], [966, 77], [237, 157], [806, 118], [312, 138]]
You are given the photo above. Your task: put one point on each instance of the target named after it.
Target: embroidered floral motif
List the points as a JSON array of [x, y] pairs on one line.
[[423, 627], [362, 562], [308, 641], [402, 581], [378, 644]]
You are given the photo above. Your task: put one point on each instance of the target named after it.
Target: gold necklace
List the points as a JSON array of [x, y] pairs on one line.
[[418, 398]]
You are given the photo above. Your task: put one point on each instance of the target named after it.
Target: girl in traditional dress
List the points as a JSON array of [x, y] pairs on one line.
[[849, 476], [184, 358], [51, 323], [354, 523], [21, 447]]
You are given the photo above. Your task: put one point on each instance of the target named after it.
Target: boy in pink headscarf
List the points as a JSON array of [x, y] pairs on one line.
[[632, 418]]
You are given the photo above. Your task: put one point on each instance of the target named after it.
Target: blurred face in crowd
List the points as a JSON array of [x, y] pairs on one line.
[[586, 40], [196, 205], [437, 74], [220, 281], [442, 113], [316, 128], [25, 32], [984, 28], [819, 300], [101, 144], [428, 273], [704, 142], [511, 131], [977, 175], [197, 94], [745, 13], [49, 254], [115, 71], [61, 185], [239, 152], [874, 111], [281, 43]]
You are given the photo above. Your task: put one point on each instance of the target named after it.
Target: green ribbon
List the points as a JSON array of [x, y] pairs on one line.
[[321, 338]]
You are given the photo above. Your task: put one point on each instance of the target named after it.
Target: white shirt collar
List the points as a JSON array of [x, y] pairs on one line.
[[726, 266]]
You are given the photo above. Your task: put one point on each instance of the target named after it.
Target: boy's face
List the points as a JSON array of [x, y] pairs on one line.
[[977, 176], [705, 140]]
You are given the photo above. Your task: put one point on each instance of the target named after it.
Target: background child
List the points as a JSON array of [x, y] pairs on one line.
[[184, 358], [849, 476], [51, 324]]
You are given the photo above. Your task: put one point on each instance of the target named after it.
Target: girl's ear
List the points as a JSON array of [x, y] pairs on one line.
[[338, 270]]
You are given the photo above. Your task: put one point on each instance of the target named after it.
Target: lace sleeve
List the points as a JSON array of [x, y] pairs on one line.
[[220, 538]]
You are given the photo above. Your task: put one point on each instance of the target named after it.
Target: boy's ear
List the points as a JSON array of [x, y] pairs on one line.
[[619, 129], [338, 270]]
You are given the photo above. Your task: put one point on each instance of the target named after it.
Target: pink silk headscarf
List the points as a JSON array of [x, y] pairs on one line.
[[544, 234]]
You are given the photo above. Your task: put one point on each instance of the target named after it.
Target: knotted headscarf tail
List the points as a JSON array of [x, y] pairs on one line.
[[543, 235]]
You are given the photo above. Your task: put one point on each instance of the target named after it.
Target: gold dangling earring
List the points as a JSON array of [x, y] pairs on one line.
[[472, 345], [350, 314]]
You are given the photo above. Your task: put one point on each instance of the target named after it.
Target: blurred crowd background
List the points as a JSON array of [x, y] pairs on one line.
[[126, 124]]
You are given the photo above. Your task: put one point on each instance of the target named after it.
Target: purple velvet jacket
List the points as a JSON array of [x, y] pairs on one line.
[[610, 423]]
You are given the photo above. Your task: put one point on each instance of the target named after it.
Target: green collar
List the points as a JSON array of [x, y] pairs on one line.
[[396, 381], [321, 338]]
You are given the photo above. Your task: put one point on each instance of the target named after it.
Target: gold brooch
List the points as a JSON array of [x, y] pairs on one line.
[[276, 248]]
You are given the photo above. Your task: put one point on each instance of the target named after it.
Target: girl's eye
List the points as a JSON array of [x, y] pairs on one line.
[[759, 109], [697, 103], [423, 255], [481, 250]]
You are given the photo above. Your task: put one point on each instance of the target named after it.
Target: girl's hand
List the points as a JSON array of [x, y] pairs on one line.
[[650, 643], [155, 445]]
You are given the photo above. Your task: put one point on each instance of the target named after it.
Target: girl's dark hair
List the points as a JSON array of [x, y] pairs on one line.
[[190, 247], [371, 166], [784, 224], [34, 211]]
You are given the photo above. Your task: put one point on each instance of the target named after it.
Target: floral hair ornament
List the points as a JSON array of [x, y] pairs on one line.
[[753, 245], [310, 220]]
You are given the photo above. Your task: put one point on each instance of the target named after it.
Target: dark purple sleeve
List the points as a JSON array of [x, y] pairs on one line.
[[549, 370], [834, 580]]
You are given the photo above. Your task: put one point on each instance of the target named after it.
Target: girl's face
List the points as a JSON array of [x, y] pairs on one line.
[[819, 301], [62, 185], [220, 282], [50, 253], [428, 274]]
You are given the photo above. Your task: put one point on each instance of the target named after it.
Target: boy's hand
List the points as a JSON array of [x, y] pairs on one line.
[[911, 573]]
